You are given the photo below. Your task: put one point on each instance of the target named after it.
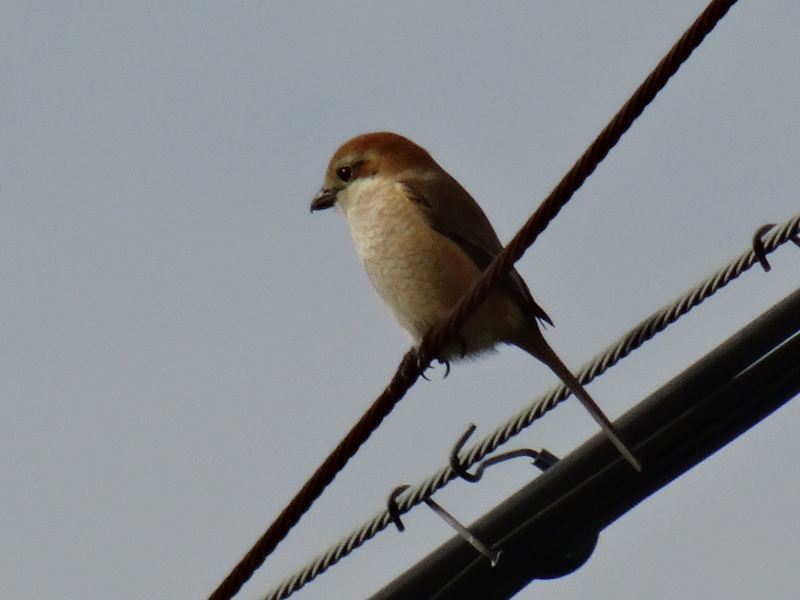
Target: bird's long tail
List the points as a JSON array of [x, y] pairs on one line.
[[538, 347]]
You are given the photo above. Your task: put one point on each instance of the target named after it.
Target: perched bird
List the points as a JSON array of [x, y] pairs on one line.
[[424, 241]]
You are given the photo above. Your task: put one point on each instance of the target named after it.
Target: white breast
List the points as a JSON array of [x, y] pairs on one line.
[[400, 252]]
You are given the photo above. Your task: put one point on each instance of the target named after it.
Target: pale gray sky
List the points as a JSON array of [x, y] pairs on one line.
[[182, 342]]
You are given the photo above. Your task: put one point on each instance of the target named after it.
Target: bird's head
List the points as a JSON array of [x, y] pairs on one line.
[[379, 154]]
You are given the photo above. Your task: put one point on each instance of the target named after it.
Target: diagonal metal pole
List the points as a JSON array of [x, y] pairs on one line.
[[550, 527]]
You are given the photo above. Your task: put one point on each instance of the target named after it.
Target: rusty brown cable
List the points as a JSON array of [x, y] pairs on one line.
[[414, 362], [584, 167]]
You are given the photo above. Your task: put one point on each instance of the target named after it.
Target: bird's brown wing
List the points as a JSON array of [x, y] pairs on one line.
[[451, 211]]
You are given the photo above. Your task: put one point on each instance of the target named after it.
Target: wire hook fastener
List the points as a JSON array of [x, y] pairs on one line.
[[541, 459], [758, 244], [463, 532], [393, 509], [466, 534]]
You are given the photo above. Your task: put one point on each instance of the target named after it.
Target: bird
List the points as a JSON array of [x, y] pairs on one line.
[[424, 241]]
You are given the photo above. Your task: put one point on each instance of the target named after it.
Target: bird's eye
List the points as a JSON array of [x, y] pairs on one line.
[[344, 173]]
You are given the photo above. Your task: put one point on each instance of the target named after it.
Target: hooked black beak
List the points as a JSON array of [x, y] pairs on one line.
[[324, 199]]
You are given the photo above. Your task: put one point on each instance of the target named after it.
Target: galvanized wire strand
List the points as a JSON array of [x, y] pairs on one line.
[[415, 361], [633, 339], [688, 300]]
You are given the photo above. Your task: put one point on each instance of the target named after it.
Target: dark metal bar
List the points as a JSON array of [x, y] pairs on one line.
[[550, 527]]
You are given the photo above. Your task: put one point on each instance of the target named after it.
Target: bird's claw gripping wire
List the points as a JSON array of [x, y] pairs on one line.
[[446, 363], [419, 359]]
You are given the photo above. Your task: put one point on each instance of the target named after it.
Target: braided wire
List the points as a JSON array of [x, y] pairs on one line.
[[633, 339]]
